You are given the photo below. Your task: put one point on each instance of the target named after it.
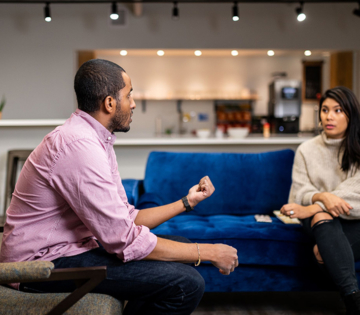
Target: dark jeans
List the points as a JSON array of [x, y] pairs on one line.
[[338, 242], [150, 287]]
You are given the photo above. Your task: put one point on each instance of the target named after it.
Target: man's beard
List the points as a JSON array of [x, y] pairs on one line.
[[119, 121]]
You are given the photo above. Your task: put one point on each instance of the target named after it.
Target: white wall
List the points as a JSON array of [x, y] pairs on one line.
[[38, 59]]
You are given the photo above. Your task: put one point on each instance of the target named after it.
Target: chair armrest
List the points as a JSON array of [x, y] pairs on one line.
[[25, 271], [133, 188], [98, 272]]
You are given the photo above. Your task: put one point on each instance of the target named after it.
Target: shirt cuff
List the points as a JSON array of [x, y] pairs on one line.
[[142, 245], [133, 214]]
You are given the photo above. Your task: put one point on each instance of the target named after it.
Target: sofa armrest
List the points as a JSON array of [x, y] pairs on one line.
[[149, 200], [14, 272], [133, 188]]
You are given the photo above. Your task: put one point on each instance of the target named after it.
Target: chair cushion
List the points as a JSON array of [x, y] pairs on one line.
[[16, 302], [246, 183], [275, 244]]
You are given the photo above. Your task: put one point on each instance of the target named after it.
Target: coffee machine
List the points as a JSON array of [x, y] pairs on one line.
[[284, 105]]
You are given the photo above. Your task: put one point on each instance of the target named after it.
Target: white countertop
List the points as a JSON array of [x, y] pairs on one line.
[[190, 140]]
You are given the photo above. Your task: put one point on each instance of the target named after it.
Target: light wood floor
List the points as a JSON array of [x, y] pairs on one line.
[[291, 303]]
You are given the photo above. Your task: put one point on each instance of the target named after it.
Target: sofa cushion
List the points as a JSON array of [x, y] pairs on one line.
[[245, 183], [274, 244]]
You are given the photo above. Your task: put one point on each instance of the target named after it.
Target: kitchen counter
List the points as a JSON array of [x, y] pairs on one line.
[[256, 139]]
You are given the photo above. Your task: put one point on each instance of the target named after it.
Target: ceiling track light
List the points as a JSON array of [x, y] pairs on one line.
[[175, 12], [299, 11], [114, 11], [47, 12], [235, 12], [357, 11]]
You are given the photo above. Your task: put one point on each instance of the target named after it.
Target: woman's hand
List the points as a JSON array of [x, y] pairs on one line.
[[293, 210], [334, 204]]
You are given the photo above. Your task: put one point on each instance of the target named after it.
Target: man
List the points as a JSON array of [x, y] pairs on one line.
[[69, 206]]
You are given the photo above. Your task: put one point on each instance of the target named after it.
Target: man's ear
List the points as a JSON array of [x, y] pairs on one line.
[[109, 104]]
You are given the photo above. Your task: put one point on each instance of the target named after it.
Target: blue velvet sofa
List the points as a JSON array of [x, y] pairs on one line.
[[272, 256]]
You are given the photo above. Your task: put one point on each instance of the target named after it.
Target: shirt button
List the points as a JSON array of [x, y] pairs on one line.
[[109, 138]]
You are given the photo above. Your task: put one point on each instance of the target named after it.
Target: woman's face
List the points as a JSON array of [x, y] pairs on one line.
[[333, 119]]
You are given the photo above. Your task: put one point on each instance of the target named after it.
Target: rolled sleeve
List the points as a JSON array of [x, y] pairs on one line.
[[142, 245], [133, 213]]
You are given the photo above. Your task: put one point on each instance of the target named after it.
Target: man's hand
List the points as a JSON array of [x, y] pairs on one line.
[[226, 258], [199, 192], [334, 204]]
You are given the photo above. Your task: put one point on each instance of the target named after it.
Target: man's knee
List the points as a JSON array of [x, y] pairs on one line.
[[194, 282], [320, 218]]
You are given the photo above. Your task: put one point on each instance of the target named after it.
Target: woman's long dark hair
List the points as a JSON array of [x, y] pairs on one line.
[[351, 107]]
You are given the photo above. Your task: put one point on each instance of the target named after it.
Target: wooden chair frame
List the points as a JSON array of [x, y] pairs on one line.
[[86, 279]]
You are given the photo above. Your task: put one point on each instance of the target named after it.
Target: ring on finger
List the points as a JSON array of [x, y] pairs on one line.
[[291, 212]]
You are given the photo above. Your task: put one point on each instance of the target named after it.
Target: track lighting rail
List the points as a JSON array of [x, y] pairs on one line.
[[171, 1]]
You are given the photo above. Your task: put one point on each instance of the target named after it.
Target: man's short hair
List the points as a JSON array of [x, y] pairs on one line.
[[94, 81]]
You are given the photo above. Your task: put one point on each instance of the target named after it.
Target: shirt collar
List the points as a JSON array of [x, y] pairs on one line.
[[104, 134]]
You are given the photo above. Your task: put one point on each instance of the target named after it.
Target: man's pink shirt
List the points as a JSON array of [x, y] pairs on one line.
[[69, 193]]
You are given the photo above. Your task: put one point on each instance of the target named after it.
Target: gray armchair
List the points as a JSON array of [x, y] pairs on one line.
[[78, 302]]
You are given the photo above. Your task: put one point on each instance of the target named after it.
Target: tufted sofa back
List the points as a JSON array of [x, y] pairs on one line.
[[245, 183]]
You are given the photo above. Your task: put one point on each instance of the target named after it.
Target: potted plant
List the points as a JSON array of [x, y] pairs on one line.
[[2, 104]]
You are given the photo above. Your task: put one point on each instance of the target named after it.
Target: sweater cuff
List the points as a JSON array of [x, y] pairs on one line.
[[307, 199]]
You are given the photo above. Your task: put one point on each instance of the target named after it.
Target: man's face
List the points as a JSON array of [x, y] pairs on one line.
[[125, 105]]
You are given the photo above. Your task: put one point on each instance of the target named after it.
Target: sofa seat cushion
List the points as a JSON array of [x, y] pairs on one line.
[[274, 244]]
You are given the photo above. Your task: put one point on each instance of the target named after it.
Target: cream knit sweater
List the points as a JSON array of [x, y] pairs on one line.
[[317, 169]]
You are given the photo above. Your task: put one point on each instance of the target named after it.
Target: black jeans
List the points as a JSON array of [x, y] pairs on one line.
[[338, 242], [150, 287]]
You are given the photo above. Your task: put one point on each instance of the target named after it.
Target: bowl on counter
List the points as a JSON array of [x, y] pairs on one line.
[[203, 133], [238, 132]]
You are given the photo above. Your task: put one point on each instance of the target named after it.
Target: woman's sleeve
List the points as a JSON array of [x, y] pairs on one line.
[[302, 189], [349, 190]]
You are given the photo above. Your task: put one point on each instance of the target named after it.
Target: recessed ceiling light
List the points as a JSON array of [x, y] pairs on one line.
[[307, 53], [234, 52], [271, 53], [123, 53], [198, 53], [160, 53]]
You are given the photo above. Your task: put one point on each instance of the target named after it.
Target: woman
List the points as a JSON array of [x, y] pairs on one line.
[[325, 192]]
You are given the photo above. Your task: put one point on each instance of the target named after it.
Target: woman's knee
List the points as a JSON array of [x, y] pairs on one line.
[[320, 218], [317, 255]]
